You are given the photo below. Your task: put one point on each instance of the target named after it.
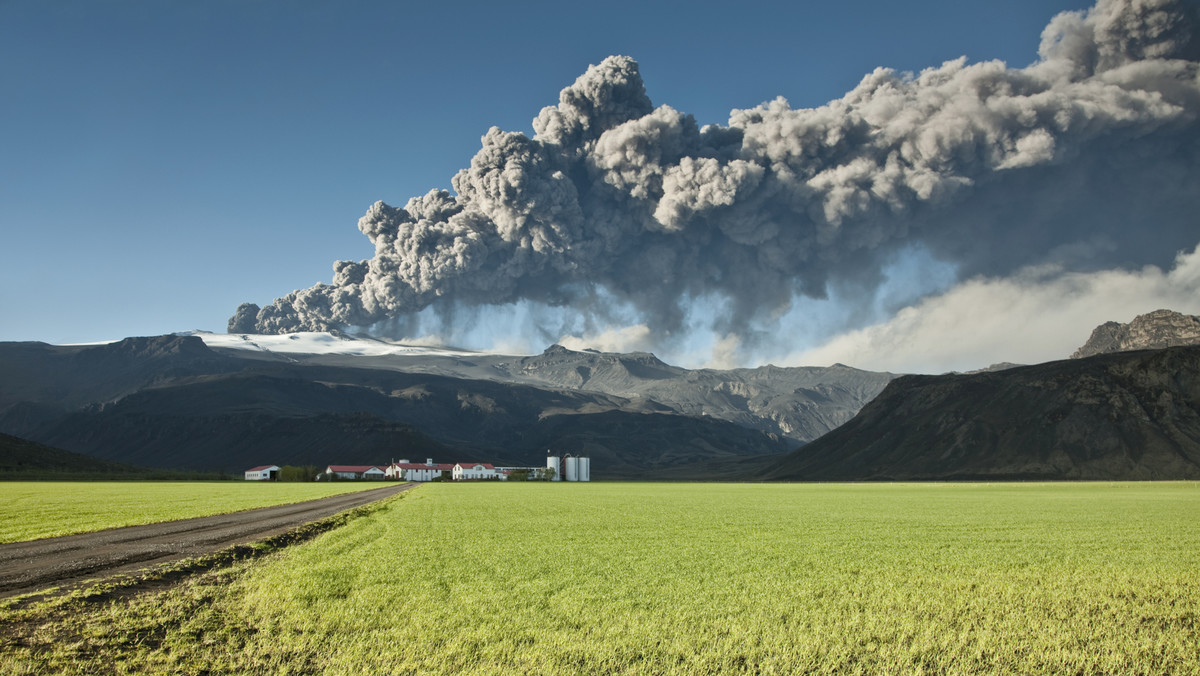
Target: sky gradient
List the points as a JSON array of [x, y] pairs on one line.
[[164, 162]]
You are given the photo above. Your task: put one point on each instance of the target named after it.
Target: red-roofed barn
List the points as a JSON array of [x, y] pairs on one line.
[[355, 471]]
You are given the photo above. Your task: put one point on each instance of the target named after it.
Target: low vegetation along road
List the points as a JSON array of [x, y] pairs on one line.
[[30, 566]]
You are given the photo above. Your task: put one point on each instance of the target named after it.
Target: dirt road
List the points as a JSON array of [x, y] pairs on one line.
[[29, 566]]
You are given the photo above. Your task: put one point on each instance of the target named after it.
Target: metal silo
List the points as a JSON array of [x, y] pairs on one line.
[[585, 468], [572, 468], [555, 463]]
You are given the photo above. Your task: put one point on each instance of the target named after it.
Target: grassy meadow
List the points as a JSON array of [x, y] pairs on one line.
[[681, 578], [40, 509]]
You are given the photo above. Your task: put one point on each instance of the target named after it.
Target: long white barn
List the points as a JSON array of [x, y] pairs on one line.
[[477, 471], [262, 473]]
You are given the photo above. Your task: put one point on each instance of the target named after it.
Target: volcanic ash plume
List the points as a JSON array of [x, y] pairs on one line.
[[1072, 160]]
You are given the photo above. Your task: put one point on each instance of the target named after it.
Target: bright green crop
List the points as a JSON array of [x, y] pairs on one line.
[[37, 509], [717, 578]]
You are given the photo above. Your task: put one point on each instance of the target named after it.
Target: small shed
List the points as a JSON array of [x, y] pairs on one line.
[[263, 473]]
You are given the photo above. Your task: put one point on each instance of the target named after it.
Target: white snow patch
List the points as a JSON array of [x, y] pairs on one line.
[[314, 343], [322, 343]]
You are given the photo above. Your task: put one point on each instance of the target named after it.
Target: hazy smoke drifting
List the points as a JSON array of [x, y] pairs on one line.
[[1071, 160]]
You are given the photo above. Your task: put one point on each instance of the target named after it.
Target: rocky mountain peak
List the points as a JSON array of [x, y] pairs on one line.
[[153, 347], [1153, 330], [557, 354]]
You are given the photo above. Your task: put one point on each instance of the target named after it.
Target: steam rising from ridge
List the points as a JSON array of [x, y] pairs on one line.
[[1087, 158]]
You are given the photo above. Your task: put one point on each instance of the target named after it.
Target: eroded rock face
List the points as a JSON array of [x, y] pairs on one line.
[[1151, 331]]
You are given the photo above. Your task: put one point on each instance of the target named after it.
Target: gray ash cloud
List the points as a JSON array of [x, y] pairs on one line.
[[1086, 158]]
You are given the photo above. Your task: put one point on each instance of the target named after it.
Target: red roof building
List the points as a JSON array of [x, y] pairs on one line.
[[355, 471]]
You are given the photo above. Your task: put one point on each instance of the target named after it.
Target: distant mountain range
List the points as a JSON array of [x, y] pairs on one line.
[[797, 403], [216, 402], [175, 402]]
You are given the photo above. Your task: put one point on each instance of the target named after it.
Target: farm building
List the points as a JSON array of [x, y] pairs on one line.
[[355, 471], [477, 470], [534, 473], [263, 473], [404, 470], [570, 467]]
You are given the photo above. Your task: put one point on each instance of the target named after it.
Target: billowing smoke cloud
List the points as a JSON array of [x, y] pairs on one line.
[[1087, 158], [1035, 315], [243, 318]]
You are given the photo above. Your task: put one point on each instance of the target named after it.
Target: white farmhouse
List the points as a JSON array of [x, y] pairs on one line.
[[477, 470], [413, 471], [263, 473]]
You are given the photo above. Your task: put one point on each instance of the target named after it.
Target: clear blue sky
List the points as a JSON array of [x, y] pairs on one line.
[[161, 162]]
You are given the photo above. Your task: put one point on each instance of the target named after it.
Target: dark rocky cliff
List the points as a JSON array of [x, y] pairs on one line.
[[1130, 415]]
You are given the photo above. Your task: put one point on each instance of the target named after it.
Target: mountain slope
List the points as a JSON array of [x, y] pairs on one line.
[[23, 457], [66, 377], [186, 406], [1121, 416], [797, 403]]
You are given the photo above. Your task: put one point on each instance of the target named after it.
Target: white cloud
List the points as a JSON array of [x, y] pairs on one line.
[[626, 339], [1036, 315], [725, 353]]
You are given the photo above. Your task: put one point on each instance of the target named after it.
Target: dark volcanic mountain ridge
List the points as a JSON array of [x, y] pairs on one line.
[[1122, 416], [797, 403], [172, 402], [20, 458]]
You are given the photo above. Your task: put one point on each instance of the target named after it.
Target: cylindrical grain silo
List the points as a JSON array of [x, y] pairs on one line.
[[555, 463], [572, 468], [585, 468]]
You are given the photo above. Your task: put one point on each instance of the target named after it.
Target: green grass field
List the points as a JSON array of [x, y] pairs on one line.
[[685, 578], [37, 509]]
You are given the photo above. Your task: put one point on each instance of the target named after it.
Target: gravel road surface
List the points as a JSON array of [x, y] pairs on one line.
[[30, 566]]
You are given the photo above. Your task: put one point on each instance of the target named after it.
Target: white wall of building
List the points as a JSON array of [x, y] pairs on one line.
[[262, 474], [411, 471], [477, 470]]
